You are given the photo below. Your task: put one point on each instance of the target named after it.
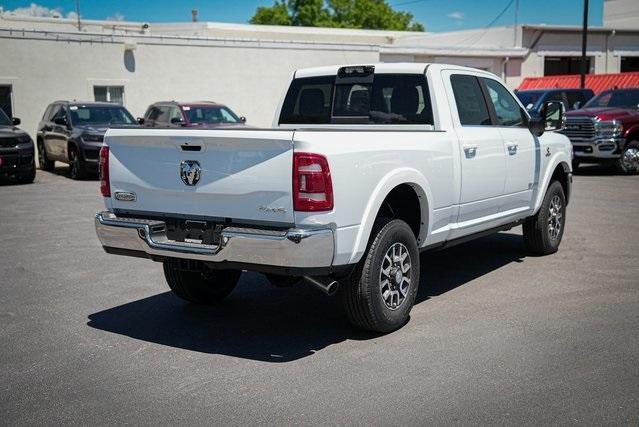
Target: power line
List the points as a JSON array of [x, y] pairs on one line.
[[486, 28]]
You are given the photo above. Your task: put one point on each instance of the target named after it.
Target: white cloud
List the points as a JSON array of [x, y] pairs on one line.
[[456, 15], [117, 16], [37, 10]]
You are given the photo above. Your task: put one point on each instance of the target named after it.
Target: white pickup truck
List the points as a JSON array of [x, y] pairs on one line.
[[365, 166]]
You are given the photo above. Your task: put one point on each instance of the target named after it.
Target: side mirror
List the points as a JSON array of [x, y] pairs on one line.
[[554, 114], [140, 120], [176, 121], [16, 121], [243, 119], [61, 121]]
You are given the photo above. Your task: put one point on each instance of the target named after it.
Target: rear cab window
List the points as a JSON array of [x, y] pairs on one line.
[[358, 97]]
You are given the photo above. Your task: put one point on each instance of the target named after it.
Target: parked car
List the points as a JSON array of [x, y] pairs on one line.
[[366, 167], [72, 132], [606, 130], [572, 99], [190, 114], [16, 150]]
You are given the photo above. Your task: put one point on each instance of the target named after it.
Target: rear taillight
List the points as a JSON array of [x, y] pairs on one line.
[[312, 186], [105, 184]]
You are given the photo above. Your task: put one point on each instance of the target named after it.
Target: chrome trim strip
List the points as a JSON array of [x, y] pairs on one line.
[[299, 248]]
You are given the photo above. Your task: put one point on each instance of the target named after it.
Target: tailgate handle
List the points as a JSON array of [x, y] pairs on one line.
[[187, 147]]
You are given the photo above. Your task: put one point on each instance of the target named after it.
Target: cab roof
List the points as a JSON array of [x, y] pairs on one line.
[[382, 68]]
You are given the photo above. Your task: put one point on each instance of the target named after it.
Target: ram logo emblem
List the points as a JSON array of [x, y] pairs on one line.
[[190, 172]]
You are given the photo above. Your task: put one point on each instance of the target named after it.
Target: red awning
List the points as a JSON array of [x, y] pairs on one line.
[[597, 82]]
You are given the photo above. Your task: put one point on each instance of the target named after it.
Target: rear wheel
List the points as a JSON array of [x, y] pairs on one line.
[[628, 163], [543, 232], [380, 292], [76, 165], [43, 160], [204, 286]]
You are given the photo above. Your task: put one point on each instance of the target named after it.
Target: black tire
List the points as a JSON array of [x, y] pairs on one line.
[[200, 287], [362, 297], [28, 177], [77, 169], [628, 163], [43, 159], [540, 231]]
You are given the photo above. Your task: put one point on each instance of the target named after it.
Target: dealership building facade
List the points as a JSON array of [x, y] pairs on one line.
[[247, 67]]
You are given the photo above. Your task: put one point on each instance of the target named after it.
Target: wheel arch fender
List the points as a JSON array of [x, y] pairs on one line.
[[395, 178], [558, 160], [72, 143], [631, 134]]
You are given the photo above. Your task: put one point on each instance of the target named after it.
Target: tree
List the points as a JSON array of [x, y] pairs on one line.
[[369, 14]]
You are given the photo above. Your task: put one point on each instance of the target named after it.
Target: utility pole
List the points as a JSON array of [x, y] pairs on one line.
[[515, 24], [77, 12], [584, 42]]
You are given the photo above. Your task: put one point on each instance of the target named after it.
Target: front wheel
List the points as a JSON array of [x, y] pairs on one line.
[[628, 163], [200, 287], [76, 165], [381, 290], [543, 232]]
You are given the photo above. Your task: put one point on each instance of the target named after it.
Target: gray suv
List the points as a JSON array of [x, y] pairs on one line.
[[72, 132]]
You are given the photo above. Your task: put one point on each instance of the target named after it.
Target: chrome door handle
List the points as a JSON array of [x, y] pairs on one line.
[[470, 150], [512, 148]]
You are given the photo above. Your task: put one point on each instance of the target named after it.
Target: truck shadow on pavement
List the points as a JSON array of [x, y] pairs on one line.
[[259, 322]]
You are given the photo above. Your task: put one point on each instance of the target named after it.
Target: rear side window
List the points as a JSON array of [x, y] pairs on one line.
[[384, 99], [163, 114], [308, 100], [471, 105]]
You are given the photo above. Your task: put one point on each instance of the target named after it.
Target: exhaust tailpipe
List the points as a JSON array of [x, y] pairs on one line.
[[325, 284]]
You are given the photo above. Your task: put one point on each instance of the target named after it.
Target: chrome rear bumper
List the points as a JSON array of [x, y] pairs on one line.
[[295, 248]]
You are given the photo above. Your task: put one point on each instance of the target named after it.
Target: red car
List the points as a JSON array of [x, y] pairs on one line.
[[606, 130], [201, 114]]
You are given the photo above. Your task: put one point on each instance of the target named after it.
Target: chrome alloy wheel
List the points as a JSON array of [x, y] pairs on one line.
[[394, 277], [630, 159], [555, 216]]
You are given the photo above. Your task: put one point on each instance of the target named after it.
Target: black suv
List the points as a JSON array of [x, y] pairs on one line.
[[16, 150], [534, 99], [72, 132]]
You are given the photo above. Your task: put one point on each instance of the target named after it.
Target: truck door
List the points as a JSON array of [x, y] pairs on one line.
[[520, 147], [483, 161]]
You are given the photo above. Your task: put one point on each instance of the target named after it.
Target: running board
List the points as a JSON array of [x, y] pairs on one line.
[[464, 239]]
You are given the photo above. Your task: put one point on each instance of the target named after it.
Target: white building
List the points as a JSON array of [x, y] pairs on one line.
[[247, 67]]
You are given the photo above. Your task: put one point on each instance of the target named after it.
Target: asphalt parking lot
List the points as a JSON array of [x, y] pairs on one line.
[[496, 337]]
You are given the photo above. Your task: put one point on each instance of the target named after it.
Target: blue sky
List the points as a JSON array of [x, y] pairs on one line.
[[436, 15]]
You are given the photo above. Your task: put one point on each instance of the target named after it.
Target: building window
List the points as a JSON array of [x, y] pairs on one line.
[[5, 100], [629, 64], [113, 94], [555, 66]]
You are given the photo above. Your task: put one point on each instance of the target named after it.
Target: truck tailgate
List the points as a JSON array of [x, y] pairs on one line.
[[245, 175]]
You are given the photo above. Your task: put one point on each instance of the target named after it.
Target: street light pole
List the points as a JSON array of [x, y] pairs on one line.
[[77, 12], [584, 41]]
